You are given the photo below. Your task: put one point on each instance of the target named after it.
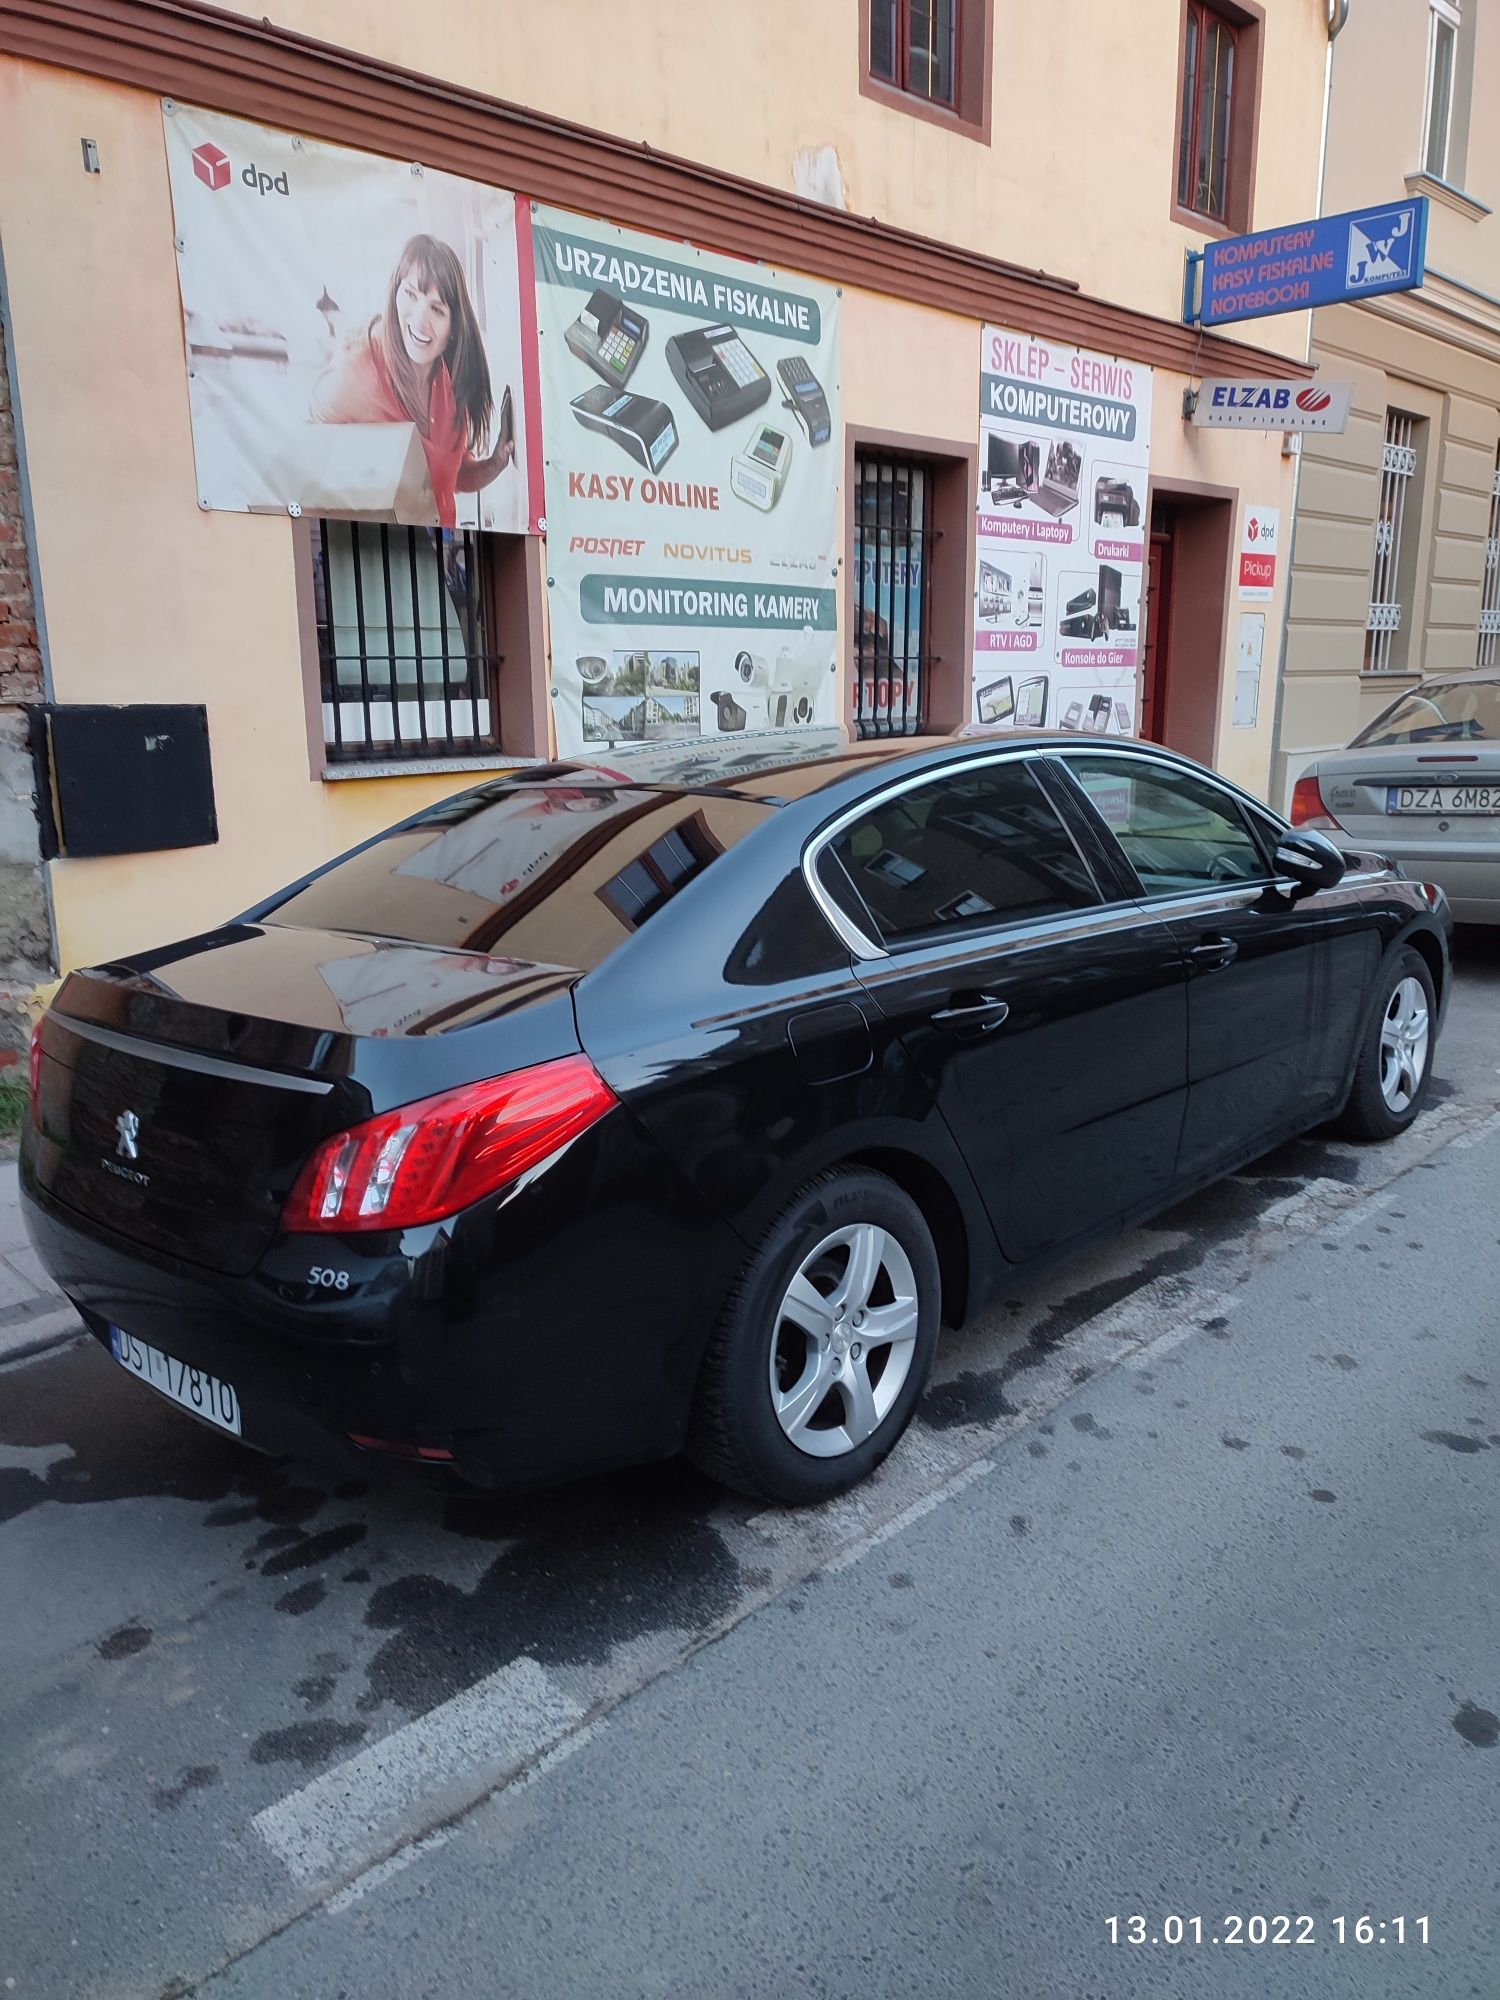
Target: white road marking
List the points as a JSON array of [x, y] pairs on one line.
[[928, 1504], [438, 1763]]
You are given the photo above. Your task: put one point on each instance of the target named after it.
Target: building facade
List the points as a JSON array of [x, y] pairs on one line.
[[1395, 571], [979, 271]]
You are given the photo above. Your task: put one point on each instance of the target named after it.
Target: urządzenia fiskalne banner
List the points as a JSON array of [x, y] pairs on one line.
[[1064, 438], [693, 443], [353, 330]]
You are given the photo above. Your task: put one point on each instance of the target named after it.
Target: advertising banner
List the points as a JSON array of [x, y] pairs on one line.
[[693, 451], [1064, 438], [353, 330]]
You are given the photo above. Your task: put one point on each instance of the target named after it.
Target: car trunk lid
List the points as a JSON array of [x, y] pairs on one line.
[[180, 1092]]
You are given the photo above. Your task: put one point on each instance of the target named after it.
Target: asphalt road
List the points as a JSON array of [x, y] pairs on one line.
[[1178, 1601]]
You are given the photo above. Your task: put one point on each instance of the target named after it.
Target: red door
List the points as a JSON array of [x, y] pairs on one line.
[[1158, 639]]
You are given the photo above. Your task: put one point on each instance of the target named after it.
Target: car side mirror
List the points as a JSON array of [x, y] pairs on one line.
[[1311, 860]]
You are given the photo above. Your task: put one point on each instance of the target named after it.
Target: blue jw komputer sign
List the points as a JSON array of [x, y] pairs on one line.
[[1320, 263]]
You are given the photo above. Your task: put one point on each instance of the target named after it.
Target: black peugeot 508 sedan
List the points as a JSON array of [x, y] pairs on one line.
[[582, 1120]]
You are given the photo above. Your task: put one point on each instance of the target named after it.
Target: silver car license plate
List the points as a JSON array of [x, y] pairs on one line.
[[204, 1395], [1443, 799]]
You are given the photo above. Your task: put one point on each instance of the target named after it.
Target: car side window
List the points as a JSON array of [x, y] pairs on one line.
[[1179, 832], [975, 847]]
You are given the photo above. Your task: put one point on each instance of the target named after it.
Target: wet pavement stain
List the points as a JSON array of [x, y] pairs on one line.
[[1454, 1440], [1234, 1443], [313, 1549], [1090, 1426], [1322, 1493], [309, 1744], [1292, 1451], [586, 1568], [194, 1779], [315, 1690], [969, 1398], [1020, 1524], [1477, 1726], [901, 1579], [306, 1597], [126, 1643]]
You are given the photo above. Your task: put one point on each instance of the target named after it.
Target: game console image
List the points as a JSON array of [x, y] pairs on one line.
[[1115, 504], [1095, 613]]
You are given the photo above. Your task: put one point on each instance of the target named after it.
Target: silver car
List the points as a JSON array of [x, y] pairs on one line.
[[1422, 785]]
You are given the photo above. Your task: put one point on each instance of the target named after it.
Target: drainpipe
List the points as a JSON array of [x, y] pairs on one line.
[[1337, 17]]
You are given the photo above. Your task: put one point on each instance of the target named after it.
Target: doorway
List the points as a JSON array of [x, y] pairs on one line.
[[1187, 608]]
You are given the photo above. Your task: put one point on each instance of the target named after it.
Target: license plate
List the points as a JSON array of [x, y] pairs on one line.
[[1444, 799], [204, 1395]]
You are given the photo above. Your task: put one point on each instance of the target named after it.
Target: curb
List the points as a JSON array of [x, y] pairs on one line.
[[60, 1326]]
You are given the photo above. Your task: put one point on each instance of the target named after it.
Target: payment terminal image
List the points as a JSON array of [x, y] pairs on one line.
[[720, 376], [610, 336], [638, 424], [805, 399]]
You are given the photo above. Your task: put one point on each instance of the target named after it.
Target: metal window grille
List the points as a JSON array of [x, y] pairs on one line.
[[1397, 464], [893, 548], [405, 660], [1489, 602]]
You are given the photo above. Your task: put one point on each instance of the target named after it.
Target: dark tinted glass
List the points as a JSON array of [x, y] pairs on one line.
[[1456, 712], [1179, 832], [975, 848], [556, 873]]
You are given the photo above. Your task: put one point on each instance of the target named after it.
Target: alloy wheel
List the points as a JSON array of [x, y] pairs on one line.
[[1405, 1034], [844, 1339]]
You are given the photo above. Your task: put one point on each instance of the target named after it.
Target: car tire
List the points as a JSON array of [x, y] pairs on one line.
[[793, 1405], [1394, 1066]]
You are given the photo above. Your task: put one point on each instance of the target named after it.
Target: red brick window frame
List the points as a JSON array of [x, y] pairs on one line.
[[1218, 116], [931, 59]]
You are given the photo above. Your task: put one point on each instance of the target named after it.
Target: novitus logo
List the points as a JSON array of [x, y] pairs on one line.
[[1313, 400], [211, 165]]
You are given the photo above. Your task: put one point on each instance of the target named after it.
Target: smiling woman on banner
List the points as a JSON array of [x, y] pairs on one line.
[[422, 361]]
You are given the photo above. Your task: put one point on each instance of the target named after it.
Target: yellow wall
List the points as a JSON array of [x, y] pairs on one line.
[[148, 598], [1078, 178]]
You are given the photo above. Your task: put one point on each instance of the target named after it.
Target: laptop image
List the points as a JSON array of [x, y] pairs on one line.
[[1058, 493]]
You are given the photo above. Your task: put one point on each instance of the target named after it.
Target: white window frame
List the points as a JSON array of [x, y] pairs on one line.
[[1443, 14]]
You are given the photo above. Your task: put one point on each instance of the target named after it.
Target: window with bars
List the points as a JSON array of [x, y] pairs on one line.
[[1489, 602], [1208, 111], [405, 660], [1398, 464], [892, 579], [914, 46], [1442, 64]]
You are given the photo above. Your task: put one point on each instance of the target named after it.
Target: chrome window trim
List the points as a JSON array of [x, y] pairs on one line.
[[1017, 937], [190, 1059], [847, 931]]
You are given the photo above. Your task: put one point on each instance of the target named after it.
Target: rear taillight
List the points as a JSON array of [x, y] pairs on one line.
[[34, 1075], [1308, 808], [430, 1159]]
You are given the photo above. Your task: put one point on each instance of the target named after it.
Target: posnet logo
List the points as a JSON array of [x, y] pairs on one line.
[[211, 164], [1313, 400]]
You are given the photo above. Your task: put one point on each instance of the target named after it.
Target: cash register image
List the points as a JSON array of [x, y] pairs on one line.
[[639, 425], [610, 336], [720, 377]]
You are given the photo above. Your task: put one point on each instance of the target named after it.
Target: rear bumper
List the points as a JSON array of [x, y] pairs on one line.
[[536, 1337]]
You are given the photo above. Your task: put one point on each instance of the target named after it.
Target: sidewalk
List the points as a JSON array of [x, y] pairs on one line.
[[33, 1313]]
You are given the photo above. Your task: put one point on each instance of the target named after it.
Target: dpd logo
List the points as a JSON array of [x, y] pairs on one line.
[[211, 165]]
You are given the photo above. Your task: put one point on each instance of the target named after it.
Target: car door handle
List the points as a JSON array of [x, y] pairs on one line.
[[972, 1014], [1213, 952]]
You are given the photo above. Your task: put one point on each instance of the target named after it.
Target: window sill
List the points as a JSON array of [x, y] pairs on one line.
[[1204, 225], [948, 116], [1450, 196], [425, 767], [1388, 678]]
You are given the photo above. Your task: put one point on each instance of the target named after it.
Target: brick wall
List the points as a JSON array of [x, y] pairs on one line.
[[25, 931]]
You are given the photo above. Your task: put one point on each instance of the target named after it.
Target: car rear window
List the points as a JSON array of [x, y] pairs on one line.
[[556, 873], [1440, 712]]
